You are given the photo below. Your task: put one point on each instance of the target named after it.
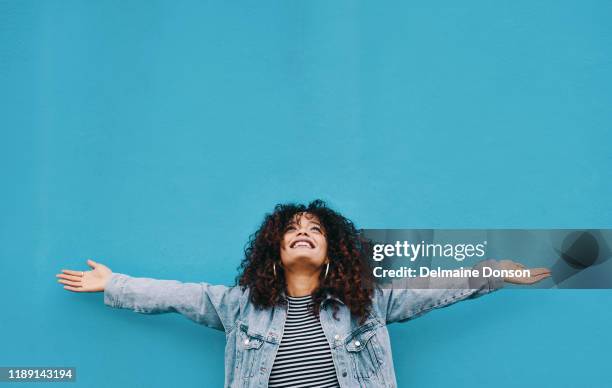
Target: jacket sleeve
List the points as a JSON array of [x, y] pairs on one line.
[[215, 306], [404, 301]]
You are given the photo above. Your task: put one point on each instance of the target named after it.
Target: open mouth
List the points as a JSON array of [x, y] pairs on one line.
[[302, 243]]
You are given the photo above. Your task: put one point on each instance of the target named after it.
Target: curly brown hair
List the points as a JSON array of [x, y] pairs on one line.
[[349, 278]]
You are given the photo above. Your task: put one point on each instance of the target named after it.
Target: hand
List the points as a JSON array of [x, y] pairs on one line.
[[537, 274], [86, 281]]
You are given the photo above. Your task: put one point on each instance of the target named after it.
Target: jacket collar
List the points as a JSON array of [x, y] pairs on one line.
[[328, 298]]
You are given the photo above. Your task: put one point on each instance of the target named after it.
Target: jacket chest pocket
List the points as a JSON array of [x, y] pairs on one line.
[[250, 348], [364, 351]]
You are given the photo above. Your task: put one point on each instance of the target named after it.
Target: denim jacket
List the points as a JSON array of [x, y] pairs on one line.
[[361, 352]]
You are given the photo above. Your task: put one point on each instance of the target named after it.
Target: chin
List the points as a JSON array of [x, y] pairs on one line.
[[305, 260]]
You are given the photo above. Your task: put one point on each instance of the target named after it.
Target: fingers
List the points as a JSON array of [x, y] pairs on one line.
[[69, 277], [534, 278], [540, 276], [535, 275], [539, 271], [71, 272], [92, 263], [70, 283], [75, 289]]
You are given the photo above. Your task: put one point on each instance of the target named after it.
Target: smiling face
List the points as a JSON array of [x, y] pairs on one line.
[[304, 245]]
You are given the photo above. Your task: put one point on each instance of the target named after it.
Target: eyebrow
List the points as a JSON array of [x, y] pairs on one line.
[[312, 222]]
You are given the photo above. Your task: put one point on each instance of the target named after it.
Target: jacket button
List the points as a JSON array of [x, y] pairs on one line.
[[336, 337], [357, 343], [343, 374]]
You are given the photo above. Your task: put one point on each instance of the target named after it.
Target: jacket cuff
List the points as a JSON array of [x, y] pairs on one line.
[[490, 283], [495, 282], [114, 289]]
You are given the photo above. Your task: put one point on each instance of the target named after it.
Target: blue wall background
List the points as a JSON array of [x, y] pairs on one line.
[[153, 136]]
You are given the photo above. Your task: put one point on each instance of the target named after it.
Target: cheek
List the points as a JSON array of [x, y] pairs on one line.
[[284, 242], [284, 250], [324, 246]]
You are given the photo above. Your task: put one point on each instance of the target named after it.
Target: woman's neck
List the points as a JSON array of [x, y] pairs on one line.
[[301, 284]]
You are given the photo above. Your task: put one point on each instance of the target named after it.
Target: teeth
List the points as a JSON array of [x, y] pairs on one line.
[[301, 244]]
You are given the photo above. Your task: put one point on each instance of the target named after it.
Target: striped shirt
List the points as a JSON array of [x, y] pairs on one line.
[[304, 358]]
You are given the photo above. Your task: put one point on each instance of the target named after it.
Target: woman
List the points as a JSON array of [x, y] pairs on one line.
[[305, 311]]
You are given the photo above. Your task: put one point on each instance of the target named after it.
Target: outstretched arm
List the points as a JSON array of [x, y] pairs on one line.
[[215, 306], [405, 300]]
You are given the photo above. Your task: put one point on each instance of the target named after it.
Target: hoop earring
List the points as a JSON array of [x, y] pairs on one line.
[[326, 270], [274, 269]]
